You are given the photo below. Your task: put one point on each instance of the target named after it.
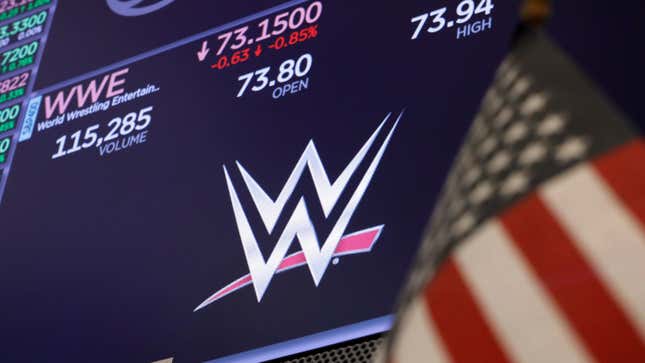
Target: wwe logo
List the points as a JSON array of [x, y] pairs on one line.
[[299, 225]]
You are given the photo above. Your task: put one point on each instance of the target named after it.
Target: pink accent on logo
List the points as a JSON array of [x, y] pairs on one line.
[[359, 242]]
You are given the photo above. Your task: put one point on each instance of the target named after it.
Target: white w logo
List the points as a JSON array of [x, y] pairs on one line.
[[299, 224]]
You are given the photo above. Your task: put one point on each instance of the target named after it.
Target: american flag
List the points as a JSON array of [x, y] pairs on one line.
[[536, 250]]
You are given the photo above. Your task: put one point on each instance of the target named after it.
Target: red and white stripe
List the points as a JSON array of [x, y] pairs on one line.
[[560, 277]]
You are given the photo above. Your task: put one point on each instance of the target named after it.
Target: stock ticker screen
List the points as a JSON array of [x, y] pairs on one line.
[[211, 181]]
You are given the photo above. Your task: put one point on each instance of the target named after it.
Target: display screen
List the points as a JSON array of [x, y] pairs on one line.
[[204, 181]]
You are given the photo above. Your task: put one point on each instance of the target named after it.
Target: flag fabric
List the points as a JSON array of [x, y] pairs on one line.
[[536, 249]]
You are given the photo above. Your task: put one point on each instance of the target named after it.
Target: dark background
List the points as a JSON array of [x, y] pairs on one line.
[[606, 39], [60, 305], [106, 257]]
